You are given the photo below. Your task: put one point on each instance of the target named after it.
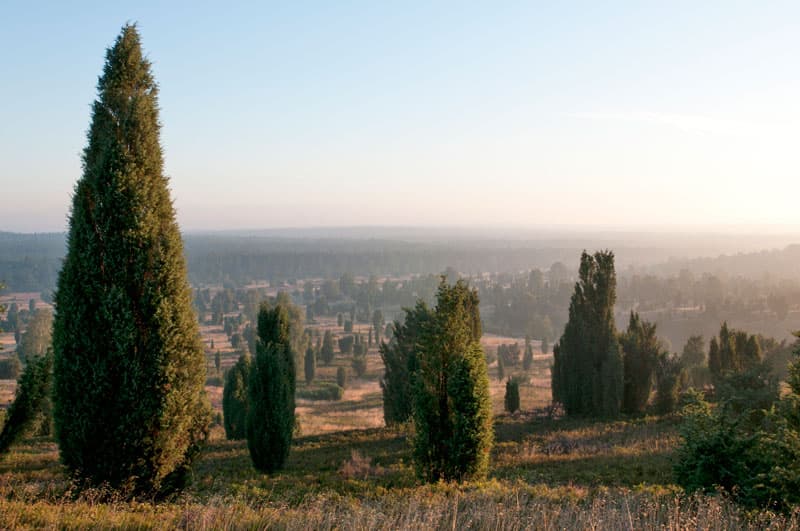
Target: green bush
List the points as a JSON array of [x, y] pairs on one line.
[[322, 391], [234, 398], [511, 399], [31, 407], [271, 391], [452, 406], [341, 377], [10, 368]]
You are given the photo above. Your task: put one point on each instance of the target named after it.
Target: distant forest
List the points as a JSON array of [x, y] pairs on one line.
[[524, 285]]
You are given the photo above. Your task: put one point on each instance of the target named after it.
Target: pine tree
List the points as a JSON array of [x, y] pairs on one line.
[[326, 354], [641, 348], [270, 416], [310, 364], [588, 366], [545, 345], [400, 364], [235, 398], [452, 405], [129, 401]]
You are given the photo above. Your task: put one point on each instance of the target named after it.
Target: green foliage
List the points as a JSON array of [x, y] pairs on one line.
[[235, 398], [326, 353], [38, 336], [310, 364], [271, 391], [671, 377], [527, 358], [348, 327], [359, 356], [545, 345], [400, 364], [751, 453], [694, 354], [346, 344], [511, 398], [641, 348], [31, 407], [734, 351], [377, 323], [587, 376], [322, 391], [452, 406], [341, 377], [501, 369], [129, 403], [10, 368]]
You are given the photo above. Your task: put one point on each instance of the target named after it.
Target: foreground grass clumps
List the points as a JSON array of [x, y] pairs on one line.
[[546, 474]]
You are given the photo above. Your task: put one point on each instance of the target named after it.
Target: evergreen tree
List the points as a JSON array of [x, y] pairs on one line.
[[452, 405], [588, 366], [501, 368], [31, 406], [377, 323], [129, 401], [38, 336], [235, 398], [511, 399], [310, 364], [640, 347], [670, 377], [217, 361], [326, 353], [271, 390], [694, 354], [341, 377], [400, 364], [545, 345], [527, 358]]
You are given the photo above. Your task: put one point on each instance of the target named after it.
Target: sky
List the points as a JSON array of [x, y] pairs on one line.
[[301, 114]]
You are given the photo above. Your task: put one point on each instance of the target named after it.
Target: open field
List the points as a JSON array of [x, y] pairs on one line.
[[546, 474], [346, 471]]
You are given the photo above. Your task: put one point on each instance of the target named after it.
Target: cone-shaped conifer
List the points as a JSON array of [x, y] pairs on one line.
[[129, 369], [270, 415]]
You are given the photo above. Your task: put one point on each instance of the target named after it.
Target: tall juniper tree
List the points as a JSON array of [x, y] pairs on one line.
[[234, 398], [588, 367], [270, 415], [452, 405], [129, 402]]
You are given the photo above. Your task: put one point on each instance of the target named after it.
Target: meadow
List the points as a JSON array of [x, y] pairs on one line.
[[347, 471]]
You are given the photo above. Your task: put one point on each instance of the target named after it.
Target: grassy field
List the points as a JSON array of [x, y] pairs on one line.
[[347, 471]]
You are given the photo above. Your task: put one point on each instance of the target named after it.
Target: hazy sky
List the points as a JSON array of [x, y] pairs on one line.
[[420, 113]]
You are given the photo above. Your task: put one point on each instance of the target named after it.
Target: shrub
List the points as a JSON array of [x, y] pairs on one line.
[[271, 391], [31, 406], [511, 399], [452, 405], [341, 377], [322, 391], [235, 398], [10, 368]]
